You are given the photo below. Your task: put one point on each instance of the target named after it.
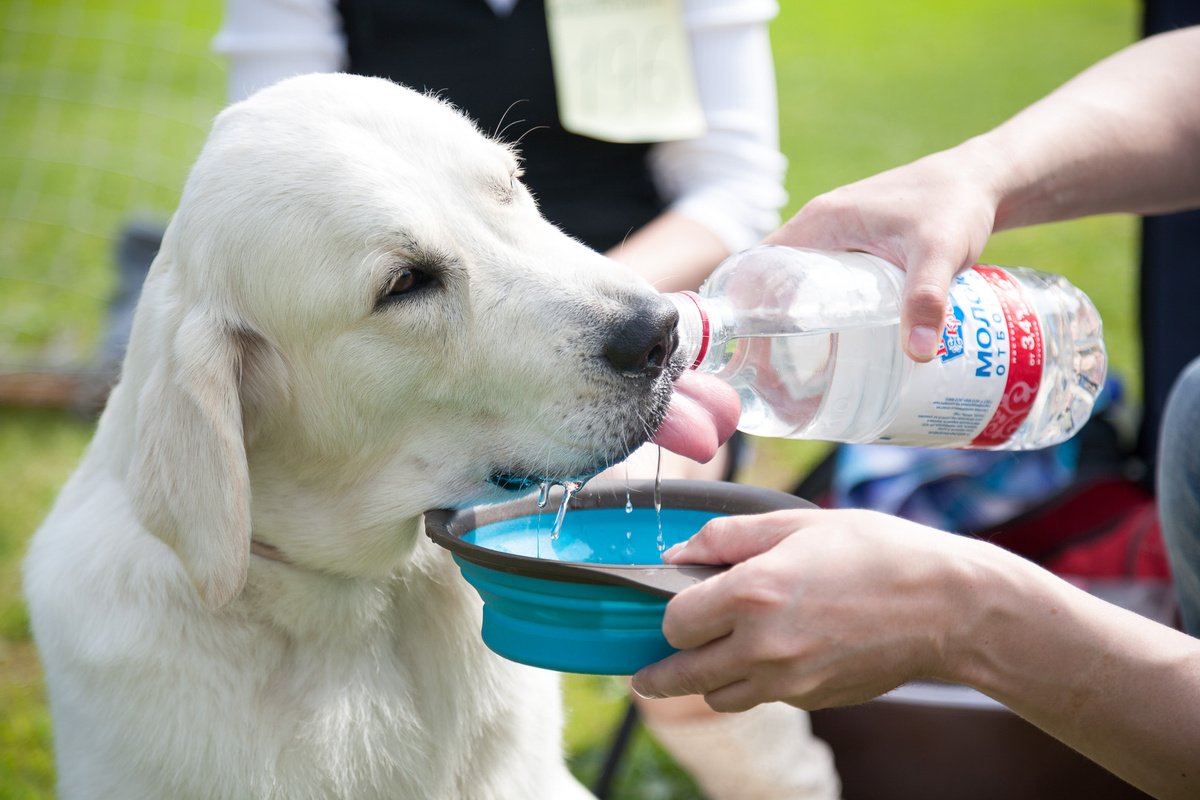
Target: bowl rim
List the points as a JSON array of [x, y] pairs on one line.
[[446, 527]]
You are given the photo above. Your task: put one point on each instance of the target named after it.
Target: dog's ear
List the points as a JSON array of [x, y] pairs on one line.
[[189, 480]]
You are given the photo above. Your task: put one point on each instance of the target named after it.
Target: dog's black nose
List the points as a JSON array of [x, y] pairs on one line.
[[645, 340]]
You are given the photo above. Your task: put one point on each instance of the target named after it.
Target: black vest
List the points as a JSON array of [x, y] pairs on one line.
[[498, 71]]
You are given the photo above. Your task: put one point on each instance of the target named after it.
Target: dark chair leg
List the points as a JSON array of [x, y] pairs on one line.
[[616, 752]]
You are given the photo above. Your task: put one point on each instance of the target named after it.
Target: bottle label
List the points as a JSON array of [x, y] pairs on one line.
[[982, 384]]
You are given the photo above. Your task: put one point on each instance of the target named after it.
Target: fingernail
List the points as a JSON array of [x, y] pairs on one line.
[[923, 342], [671, 551], [641, 691]]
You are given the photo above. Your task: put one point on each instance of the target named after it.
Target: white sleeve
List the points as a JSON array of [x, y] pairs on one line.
[[265, 41], [730, 179]]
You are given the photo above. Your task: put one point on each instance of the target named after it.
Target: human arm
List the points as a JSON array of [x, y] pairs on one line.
[[672, 251], [1121, 137], [826, 608], [724, 188], [265, 41]]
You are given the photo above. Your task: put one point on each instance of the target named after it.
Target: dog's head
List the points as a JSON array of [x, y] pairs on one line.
[[357, 314]]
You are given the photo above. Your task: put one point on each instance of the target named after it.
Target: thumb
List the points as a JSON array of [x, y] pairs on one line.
[[923, 305], [732, 540]]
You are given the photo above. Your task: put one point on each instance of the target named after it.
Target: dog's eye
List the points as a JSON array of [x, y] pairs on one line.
[[514, 188], [405, 281]]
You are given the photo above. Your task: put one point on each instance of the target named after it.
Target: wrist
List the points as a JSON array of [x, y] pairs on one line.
[[969, 599], [988, 168], [959, 604], [1000, 600]]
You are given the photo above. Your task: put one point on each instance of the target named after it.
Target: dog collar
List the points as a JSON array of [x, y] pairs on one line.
[[269, 552]]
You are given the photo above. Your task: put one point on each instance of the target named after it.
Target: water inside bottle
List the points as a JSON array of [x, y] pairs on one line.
[[835, 386]]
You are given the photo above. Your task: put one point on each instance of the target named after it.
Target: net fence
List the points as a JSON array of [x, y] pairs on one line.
[[104, 104]]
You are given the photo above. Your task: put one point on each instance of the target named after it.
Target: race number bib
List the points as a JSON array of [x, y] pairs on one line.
[[623, 70]]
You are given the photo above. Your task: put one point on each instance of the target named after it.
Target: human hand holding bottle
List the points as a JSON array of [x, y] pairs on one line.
[[1120, 137], [931, 218]]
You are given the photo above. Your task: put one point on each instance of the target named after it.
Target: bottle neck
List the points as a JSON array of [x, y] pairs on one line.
[[694, 328]]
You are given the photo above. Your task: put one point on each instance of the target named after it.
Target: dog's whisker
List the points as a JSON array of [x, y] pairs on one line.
[[499, 132], [521, 138]]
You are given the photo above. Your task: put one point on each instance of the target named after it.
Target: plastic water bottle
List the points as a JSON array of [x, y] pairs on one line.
[[811, 342]]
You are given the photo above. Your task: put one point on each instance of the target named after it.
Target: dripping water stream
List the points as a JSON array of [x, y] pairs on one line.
[[628, 497], [543, 496], [662, 545], [569, 490]]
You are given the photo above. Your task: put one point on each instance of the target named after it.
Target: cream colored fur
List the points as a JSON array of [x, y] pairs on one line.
[[271, 392]]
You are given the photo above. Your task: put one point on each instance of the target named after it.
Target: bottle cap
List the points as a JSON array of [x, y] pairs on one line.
[[705, 332]]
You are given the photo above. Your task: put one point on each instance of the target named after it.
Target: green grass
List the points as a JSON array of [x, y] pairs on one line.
[[103, 106], [863, 86]]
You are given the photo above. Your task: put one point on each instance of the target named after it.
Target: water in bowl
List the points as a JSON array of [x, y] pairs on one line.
[[594, 536], [570, 488]]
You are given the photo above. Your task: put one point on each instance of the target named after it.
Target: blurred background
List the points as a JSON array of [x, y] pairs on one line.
[[105, 103]]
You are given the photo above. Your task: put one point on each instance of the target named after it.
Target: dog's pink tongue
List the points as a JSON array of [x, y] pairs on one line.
[[704, 413]]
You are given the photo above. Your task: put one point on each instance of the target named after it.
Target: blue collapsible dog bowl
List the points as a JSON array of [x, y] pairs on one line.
[[592, 599]]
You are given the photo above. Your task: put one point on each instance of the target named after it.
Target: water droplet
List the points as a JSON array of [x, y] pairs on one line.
[[544, 494], [628, 503]]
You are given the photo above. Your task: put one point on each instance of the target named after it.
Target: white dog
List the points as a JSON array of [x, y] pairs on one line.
[[357, 314]]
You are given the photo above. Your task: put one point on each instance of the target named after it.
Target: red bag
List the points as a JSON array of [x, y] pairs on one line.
[[1104, 536], [1104, 528]]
